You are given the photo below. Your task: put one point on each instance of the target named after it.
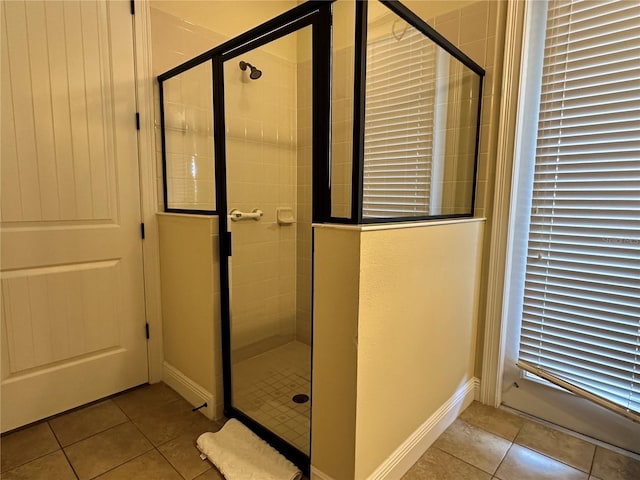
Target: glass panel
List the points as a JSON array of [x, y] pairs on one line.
[[344, 13], [268, 165], [421, 118], [188, 120]]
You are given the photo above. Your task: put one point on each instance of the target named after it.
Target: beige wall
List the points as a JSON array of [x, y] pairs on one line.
[[416, 330], [395, 314], [189, 276]]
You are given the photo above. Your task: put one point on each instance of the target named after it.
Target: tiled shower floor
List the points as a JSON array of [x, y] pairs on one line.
[[264, 386]]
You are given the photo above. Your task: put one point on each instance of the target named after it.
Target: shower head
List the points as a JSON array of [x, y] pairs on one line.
[[254, 74]]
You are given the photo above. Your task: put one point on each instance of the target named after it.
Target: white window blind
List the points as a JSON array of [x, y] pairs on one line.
[[398, 139], [581, 305]]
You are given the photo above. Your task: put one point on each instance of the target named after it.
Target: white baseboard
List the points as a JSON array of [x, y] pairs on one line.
[[191, 391], [408, 453], [318, 475]]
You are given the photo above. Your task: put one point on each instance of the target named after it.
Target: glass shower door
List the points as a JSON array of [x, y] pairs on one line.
[[267, 104]]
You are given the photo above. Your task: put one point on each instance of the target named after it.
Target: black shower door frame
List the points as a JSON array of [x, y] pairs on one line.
[[318, 16]]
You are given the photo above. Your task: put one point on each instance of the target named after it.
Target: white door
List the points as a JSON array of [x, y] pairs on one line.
[[73, 320]]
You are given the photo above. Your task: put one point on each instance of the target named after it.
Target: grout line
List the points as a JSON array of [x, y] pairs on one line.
[[120, 464], [70, 464], [142, 433], [593, 461], [54, 435], [66, 457], [93, 434], [39, 422], [174, 467], [118, 407], [457, 458], [502, 459]]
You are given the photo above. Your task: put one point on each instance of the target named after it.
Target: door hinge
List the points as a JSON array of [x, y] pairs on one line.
[[142, 230], [137, 121], [146, 330], [133, 7]]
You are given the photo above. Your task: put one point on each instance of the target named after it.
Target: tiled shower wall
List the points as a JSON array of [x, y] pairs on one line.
[[342, 85], [474, 29], [175, 41], [188, 121], [261, 174], [460, 134], [342, 131]]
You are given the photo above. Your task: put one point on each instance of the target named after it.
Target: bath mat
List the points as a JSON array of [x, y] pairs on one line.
[[240, 454]]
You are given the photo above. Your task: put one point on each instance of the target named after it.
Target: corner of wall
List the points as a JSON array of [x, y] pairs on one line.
[[336, 284], [148, 186], [408, 453], [192, 392]]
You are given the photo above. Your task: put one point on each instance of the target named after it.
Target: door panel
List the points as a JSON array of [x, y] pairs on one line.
[[71, 254], [64, 297]]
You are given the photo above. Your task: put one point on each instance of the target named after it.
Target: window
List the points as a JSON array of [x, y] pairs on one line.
[[580, 301]]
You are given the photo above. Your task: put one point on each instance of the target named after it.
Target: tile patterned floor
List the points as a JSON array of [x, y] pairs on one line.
[[145, 433], [149, 434], [264, 388], [485, 443]]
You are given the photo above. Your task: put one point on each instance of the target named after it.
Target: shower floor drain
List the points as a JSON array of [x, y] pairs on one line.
[[300, 398]]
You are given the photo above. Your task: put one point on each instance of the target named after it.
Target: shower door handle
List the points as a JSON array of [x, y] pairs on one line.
[[236, 215]]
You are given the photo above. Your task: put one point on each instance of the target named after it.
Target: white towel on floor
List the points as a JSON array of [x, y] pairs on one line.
[[239, 454]]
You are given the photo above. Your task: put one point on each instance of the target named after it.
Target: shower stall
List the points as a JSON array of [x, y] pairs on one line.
[[241, 133], [269, 133]]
